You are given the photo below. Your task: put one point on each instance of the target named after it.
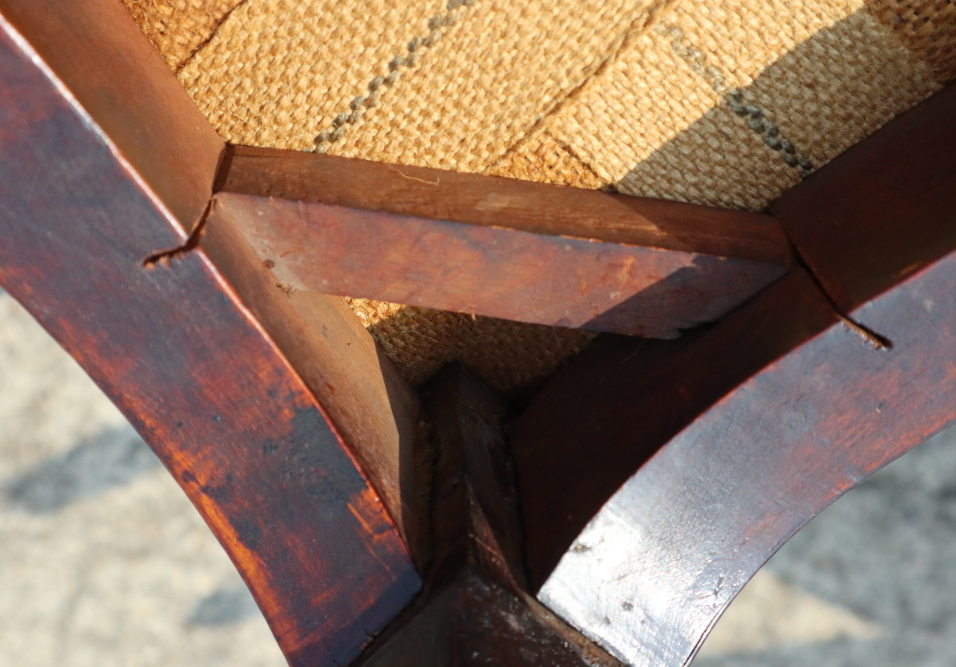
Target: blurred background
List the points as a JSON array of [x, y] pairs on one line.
[[104, 562]]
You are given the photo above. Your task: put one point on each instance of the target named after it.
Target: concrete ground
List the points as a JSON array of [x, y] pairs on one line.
[[104, 562]]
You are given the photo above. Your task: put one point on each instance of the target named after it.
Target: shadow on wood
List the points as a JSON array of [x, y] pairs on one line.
[[493, 246], [792, 403]]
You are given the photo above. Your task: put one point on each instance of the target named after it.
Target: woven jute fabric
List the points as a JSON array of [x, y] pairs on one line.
[[722, 102], [179, 27], [928, 27], [543, 159], [730, 104], [449, 83], [513, 357], [445, 84]]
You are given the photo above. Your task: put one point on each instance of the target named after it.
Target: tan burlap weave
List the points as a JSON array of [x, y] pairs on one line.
[[179, 27], [724, 102]]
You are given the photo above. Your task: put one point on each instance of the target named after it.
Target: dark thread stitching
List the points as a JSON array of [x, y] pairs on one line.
[[215, 31], [638, 28], [377, 85], [770, 132]]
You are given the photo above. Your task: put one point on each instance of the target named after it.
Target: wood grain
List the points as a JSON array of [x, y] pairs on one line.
[[654, 569], [498, 247], [655, 476], [492, 201], [474, 608], [474, 496], [371, 405], [109, 72], [605, 415], [790, 404], [476, 621], [172, 345]]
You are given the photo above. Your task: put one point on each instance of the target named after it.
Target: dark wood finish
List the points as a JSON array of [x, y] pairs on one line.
[[655, 476], [499, 247], [373, 408], [474, 609], [448, 484], [97, 58], [790, 406], [883, 210], [670, 549], [491, 201], [599, 420], [477, 621], [172, 344], [474, 496]]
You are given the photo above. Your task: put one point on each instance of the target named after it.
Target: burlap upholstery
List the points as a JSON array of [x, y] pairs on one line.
[[723, 102], [178, 28], [927, 27]]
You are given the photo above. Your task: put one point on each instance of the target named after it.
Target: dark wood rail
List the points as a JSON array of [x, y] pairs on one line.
[[494, 246]]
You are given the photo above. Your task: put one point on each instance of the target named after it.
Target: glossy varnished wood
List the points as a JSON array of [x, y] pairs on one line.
[[791, 403], [491, 201], [670, 549], [599, 420], [114, 74], [653, 477], [494, 246], [89, 191]]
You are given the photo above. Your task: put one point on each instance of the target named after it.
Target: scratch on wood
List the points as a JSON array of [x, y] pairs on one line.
[[398, 171]]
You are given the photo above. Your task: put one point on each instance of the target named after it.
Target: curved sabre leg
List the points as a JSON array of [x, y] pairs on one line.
[[747, 431]]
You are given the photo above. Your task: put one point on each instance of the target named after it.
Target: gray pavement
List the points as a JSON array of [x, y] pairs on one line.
[[104, 562]]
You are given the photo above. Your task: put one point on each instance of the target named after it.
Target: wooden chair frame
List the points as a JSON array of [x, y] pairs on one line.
[[619, 513]]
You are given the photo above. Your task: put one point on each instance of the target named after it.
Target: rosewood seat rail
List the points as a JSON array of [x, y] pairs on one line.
[[611, 518]]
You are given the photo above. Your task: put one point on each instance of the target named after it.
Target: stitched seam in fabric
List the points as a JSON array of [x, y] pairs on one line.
[[637, 29], [199, 47], [770, 132], [584, 163], [377, 86]]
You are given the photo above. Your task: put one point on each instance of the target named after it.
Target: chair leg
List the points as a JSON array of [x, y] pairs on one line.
[[89, 191]]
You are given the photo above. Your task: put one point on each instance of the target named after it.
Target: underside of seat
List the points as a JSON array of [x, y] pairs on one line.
[[704, 101], [751, 202]]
